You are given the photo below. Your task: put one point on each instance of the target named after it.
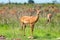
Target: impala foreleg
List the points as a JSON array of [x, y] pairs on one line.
[[32, 29]]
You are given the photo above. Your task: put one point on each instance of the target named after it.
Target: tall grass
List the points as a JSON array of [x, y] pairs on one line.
[[42, 31]]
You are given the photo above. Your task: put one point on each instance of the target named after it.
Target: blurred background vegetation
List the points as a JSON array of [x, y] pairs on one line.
[[10, 22]]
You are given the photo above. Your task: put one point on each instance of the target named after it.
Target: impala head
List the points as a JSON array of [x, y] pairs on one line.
[[38, 11]]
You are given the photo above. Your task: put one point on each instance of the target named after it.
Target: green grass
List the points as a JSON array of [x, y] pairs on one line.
[[49, 31], [42, 31]]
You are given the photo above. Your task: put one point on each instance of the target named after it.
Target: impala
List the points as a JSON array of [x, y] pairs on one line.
[[31, 20]]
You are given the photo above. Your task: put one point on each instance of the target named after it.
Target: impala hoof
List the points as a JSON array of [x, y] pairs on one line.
[[30, 37]]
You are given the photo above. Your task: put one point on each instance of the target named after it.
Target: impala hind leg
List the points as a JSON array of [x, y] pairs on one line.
[[21, 26], [49, 20], [24, 27]]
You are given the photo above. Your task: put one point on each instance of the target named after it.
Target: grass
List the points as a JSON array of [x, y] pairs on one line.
[[42, 31], [49, 31]]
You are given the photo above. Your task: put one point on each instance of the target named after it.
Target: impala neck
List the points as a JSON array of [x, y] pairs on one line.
[[37, 17]]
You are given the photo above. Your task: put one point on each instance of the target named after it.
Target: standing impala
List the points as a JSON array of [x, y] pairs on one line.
[[49, 16], [31, 20]]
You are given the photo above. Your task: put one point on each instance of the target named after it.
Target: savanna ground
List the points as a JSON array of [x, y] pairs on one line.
[[42, 31]]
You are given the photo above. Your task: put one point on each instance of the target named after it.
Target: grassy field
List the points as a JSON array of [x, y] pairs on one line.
[[42, 31]]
